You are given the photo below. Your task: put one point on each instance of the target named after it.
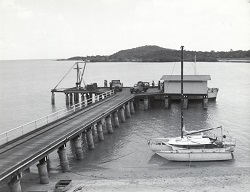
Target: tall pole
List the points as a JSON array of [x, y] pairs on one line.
[[77, 74], [182, 98], [78, 82], [195, 64]]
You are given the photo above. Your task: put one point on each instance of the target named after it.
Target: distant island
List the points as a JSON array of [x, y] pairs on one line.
[[152, 53]]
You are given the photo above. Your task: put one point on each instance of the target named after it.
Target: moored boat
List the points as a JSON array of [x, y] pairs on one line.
[[63, 185], [198, 145], [212, 93]]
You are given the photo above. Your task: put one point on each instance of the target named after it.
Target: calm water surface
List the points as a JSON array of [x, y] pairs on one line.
[[25, 96]]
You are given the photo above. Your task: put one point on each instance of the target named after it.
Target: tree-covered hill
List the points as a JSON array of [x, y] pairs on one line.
[[152, 53], [159, 54]]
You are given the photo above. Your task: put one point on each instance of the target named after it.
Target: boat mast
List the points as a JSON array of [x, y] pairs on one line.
[[195, 64], [182, 98], [77, 76]]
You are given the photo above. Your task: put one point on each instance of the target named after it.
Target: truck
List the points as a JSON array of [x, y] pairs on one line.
[[91, 87], [140, 87], [116, 85]]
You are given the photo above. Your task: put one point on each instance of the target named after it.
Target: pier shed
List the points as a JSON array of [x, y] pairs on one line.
[[194, 87], [192, 84]]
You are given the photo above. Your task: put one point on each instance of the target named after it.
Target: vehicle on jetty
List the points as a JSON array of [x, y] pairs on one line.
[[194, 145], [140, 87], [116, 85]]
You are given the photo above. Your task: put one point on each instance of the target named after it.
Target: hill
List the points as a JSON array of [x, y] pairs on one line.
[[159, 54], [146, 53], [153, 53]]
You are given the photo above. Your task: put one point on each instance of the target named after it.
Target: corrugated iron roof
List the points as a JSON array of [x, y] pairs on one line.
[[186, 77]]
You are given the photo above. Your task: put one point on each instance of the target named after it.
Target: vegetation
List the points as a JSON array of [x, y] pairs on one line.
[[158, 54]]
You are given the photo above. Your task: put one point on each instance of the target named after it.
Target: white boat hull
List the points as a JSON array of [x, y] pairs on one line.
[[195, 147], [158, 144], [212, 93], [187, 155]]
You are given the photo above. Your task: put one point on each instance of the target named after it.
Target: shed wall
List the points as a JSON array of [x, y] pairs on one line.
[[195, 88]]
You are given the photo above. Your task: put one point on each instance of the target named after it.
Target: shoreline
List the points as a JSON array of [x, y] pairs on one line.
[[147, 179]]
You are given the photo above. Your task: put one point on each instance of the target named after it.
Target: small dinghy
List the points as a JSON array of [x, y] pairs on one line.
[[63, 185]]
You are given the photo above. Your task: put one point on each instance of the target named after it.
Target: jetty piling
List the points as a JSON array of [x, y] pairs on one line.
[[100, 131], [132, 108], [14, 184], [71, 98], [127, 110], [77, 144], [185, 102], [90, 139], [109, 124], [43, 171], [116, 119], [205, 102], [167, 102], [146, 103], [67, 99], [122, 114], [63, 159], [53, 98], [49, 163]]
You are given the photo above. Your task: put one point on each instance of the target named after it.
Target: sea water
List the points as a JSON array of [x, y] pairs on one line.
[[26, 95]]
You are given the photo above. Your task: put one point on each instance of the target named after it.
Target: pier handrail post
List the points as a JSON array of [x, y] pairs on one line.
[[51, 117], [7, 137], [22, 130]]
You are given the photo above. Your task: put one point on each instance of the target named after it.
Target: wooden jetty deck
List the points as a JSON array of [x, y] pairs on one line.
[[34, 147], [21, 154]]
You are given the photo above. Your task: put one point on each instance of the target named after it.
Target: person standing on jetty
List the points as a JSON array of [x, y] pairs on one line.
[[153, 83]]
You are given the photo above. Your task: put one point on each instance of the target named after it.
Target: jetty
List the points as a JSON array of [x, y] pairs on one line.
[[33, 142], [91, 111]]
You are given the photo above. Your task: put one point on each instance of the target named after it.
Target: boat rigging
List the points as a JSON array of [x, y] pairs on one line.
[[194, 145]]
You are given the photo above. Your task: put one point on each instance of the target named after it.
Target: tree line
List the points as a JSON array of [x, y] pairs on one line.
[[159, 54]]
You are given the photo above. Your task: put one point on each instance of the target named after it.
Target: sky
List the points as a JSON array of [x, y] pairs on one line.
[[50, 29]]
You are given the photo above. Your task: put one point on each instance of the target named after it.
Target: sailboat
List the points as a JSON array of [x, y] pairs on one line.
[[198, 145]]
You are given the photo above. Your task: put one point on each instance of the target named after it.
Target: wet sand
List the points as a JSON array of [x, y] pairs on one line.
[[185, 179]]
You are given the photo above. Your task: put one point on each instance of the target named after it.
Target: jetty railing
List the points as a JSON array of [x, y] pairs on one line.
[[33, 125]]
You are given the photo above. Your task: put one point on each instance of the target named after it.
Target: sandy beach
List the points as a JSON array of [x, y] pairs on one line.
[[185, 179]]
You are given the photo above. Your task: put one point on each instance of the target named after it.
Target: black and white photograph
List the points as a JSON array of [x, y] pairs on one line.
[[124, 95]]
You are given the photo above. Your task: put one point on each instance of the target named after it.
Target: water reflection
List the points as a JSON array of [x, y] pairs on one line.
[[127, 147]]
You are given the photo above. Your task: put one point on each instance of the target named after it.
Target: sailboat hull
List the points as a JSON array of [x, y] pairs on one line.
[[159, 144], [196, 156]]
